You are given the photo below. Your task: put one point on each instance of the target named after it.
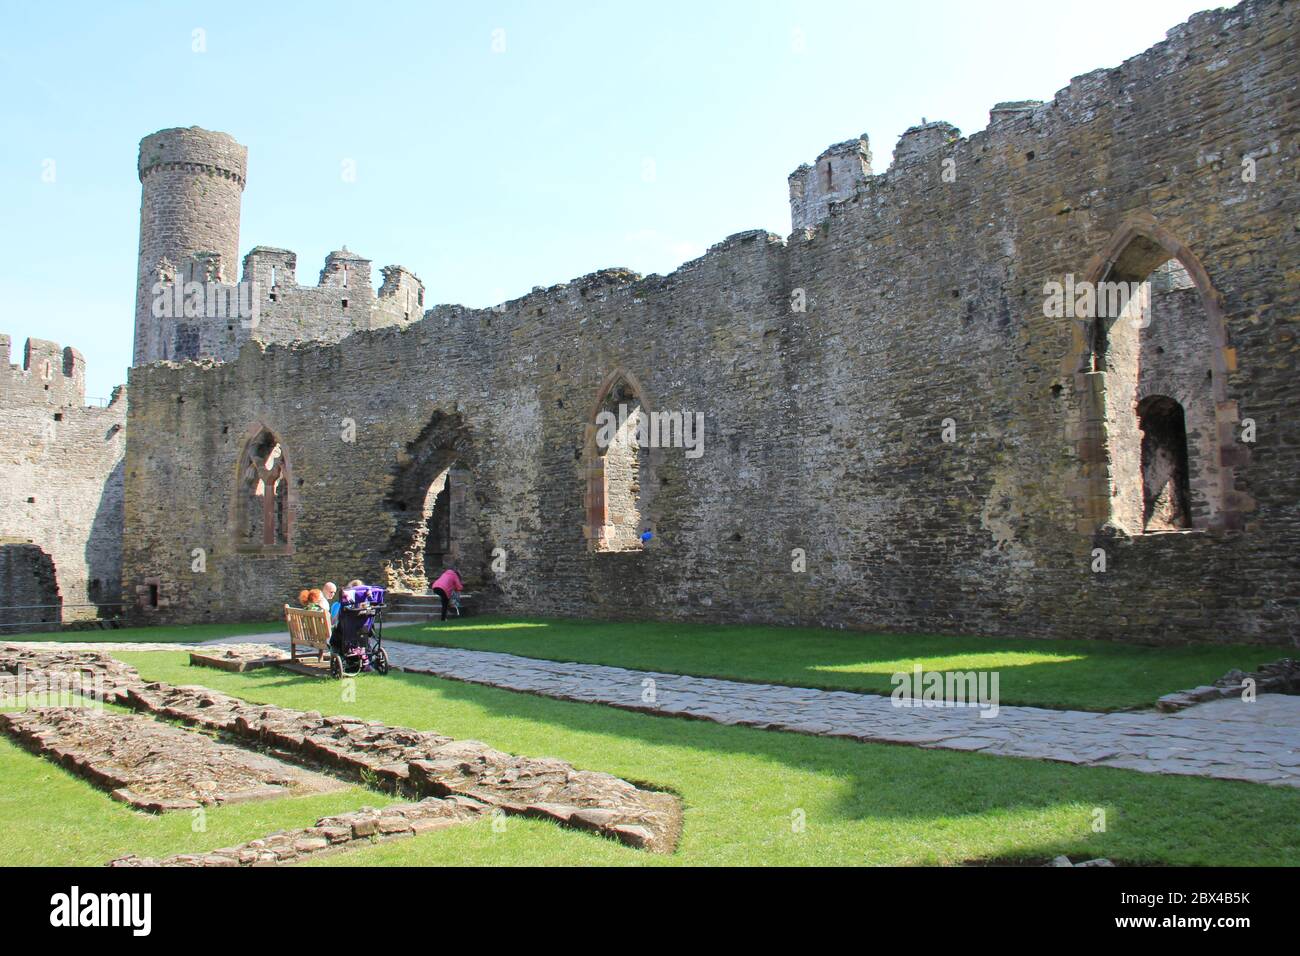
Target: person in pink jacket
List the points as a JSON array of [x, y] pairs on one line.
[[448, 583]]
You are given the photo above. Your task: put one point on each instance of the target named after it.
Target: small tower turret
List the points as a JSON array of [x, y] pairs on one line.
[[836, 175]]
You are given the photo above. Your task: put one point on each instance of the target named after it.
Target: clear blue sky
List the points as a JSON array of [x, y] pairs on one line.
[[485, 172]]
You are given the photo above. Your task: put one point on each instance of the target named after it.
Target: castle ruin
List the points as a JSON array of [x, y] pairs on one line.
[[61, 529], [914, 418]]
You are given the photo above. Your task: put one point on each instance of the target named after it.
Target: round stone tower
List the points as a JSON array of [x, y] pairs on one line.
[[192, 180]]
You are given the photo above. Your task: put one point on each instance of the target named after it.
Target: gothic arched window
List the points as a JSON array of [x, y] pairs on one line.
[[262, 514]]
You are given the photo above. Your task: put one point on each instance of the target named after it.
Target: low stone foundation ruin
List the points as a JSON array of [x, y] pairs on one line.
[[344, 831], [155, 766], [424, 763], [239, 657], [397, 759]]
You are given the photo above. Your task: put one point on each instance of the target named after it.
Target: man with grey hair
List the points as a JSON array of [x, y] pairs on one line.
[[329, 589]]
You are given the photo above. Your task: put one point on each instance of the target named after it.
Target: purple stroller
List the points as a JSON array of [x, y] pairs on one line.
[[358, 642]]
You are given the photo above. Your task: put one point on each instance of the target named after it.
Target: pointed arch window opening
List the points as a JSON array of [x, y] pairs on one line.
[[619, 471], [264, 492], [1166, 449]]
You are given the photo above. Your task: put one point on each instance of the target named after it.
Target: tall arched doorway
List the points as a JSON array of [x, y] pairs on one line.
[[437, 515]]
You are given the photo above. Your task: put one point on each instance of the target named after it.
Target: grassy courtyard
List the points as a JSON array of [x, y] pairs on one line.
[[186, 634], [1085, 675], [743, 791]]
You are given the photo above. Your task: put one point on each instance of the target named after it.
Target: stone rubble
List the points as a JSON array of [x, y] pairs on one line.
[[340, 832], [1065, 861], [56, 669], [423, 763], [154, 766], [1279, 677]]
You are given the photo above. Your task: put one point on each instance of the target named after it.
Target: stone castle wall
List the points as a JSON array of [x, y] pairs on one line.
[[61, 470], [923, 306]]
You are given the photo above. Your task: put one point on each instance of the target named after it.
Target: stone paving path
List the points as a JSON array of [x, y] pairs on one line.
[[1227, 739]]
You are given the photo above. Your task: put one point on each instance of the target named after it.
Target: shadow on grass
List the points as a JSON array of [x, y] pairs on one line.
[[1087, 675], [1146, 815], [934, 805]]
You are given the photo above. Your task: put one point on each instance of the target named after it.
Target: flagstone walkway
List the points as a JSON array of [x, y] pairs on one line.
[[1227, 739]]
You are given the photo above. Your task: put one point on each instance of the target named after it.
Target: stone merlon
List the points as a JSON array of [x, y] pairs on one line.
[[49, 375], [835, 175]]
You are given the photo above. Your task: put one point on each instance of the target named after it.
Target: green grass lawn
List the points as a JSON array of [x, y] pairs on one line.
[[1087, 675], [742, 790], [49, 817], [177, 634]]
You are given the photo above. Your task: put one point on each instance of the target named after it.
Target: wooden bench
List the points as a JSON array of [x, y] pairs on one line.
[[307, 628]]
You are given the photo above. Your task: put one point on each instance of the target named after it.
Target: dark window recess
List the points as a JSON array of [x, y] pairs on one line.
[[185, 344], [153, 595], [1165, 492]]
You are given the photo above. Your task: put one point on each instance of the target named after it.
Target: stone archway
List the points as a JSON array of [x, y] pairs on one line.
[[437, 512], [1109, 362]]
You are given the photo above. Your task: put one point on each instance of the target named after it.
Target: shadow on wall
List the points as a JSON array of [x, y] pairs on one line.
[[29, 590], [104, 549]]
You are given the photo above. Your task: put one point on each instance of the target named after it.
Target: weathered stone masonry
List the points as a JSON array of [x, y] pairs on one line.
[[61, 471], [924, 302]]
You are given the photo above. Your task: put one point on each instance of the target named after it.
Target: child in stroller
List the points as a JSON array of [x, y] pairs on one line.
[[357, 644]]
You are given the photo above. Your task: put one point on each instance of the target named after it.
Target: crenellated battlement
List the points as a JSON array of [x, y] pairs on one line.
[[923, 148], [62, 476], [189, 304], [344, 269], [49, 375], [271, 268], [924, 141], [835, 175], [193, 150]]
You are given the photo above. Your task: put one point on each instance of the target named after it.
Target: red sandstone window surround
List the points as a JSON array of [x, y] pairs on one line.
[[262, 505]]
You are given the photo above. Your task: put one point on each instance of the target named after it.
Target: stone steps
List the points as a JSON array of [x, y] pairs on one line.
[[419, 607]]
